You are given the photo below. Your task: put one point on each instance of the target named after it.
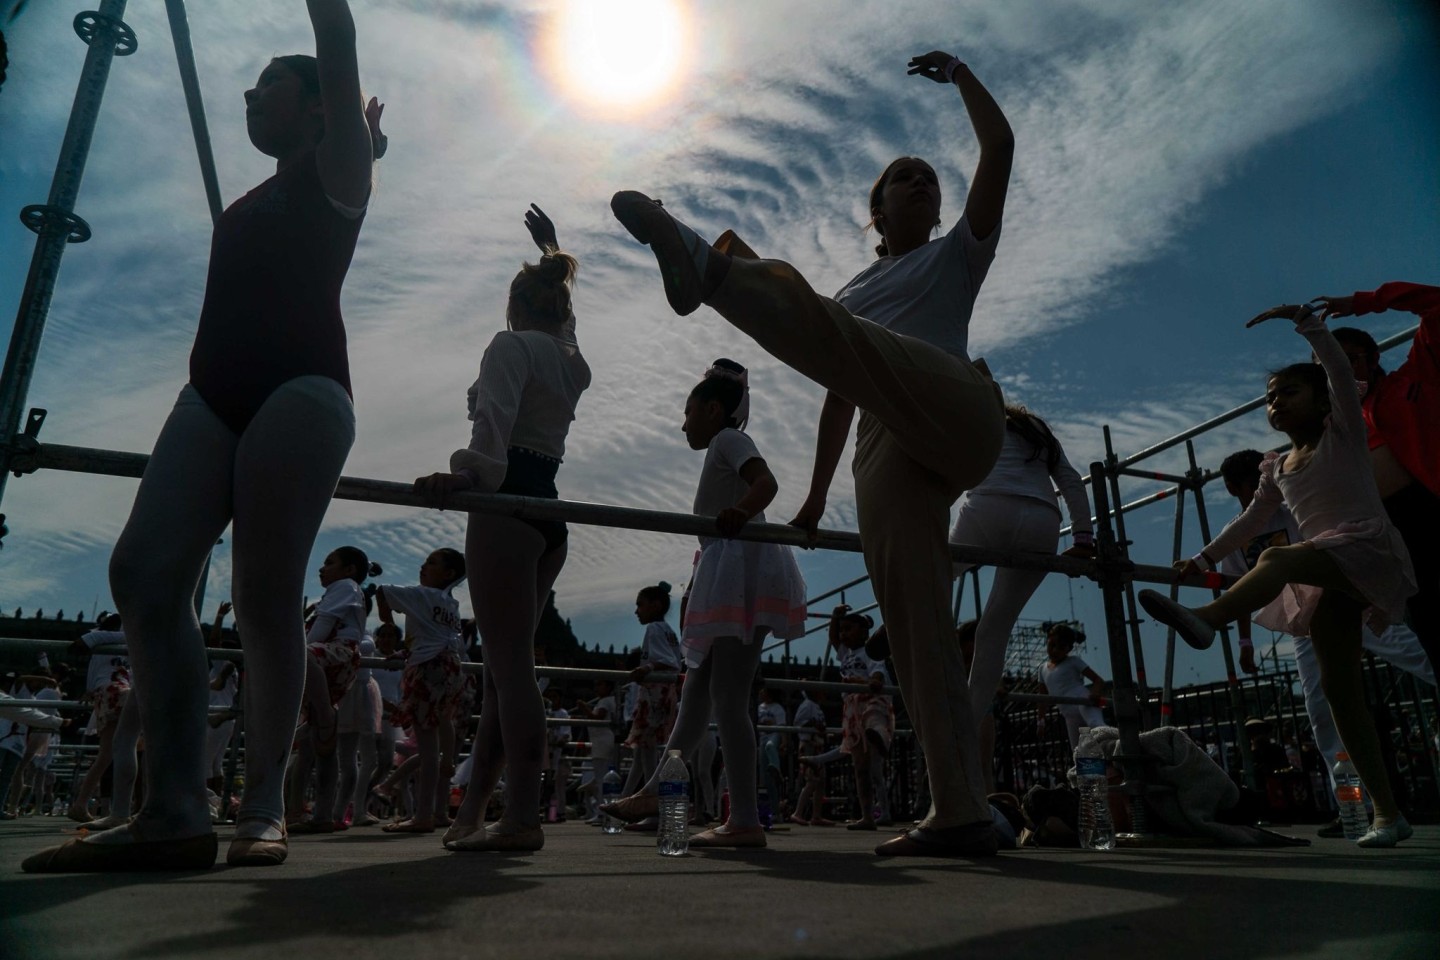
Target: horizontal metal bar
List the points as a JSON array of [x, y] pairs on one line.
[[840, 589], [50, 456]]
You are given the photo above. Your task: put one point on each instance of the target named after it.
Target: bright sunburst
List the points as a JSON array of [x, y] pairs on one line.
[[619, 56]]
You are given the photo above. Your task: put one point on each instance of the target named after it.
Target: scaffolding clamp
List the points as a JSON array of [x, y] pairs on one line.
[[91, 25], [25, 445], [45, 219]]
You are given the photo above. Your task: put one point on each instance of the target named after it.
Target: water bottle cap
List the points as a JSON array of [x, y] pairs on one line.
[[1342, 755], [672, 753], [612, 768]]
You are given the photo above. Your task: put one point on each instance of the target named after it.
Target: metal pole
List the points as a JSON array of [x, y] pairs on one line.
[[1232, 681], [1167, 691], [1131, 607], [1113, 571], [55, 221], [190, 81]]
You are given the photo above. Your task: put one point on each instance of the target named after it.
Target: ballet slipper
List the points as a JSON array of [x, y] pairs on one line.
[[1378, 837], [799, 821], [81, 856], [258, 851], [526, 840], [369, 820], [822, 822], [637, 806], [685, 259], [1187, 623], [861, 825], [458, 831], [105, 823], [648, 825], [726, 836], [967, 840], [79, 815], [408, 826]]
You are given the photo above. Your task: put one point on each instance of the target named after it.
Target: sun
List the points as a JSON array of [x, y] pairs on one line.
[[619, 56]]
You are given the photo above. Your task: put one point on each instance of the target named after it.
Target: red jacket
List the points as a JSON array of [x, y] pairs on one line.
[[1402, 409]]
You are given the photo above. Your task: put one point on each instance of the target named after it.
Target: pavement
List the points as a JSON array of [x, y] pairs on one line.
[[815, 892]]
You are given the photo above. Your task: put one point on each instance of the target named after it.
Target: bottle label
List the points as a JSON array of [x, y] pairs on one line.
[[1090, 766], [672, 790], [1348, 794]]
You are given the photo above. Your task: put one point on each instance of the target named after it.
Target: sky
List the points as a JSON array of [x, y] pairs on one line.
[[1178, 168]]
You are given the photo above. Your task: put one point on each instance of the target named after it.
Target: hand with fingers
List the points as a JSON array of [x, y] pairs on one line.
[[731, 521], [379, 142], [1185, 569], [1337, 306], [936, 65], [435, 489], [807, 518], [1294, 312], [542, 229]]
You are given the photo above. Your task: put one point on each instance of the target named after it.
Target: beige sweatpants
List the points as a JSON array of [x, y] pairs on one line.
[[930, 427]]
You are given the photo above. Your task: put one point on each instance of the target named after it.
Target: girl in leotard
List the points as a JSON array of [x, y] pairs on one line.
[[431, 683], [521, 407], [740, 592], [1352, 566], [257, 437], [931, 422]]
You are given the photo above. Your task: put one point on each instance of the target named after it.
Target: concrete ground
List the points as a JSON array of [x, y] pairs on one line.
[[814, 893]]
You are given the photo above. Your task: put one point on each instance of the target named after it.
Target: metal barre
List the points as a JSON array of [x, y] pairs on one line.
[[50, 456]]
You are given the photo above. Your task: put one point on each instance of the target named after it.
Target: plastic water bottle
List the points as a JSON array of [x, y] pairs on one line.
[[1350, 798], [673, 837], [609, 793], [1096, 830]]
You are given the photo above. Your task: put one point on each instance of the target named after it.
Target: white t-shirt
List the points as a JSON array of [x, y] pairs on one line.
[[770, 714], [858, 665], [108, 666], [225, 696], [602, 739], [525, 396], [807, 715], [1021, 471], [558, 733], [342, 611], [929, 293], [1066, 678], [721, 485], [432, 620], [661, 647]]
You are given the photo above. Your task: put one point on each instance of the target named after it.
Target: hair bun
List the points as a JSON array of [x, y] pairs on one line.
[[376, 569], [557, 267], [663, 587], [725, 363]]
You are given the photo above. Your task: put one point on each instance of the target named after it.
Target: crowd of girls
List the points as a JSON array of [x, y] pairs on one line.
[[258, 436]]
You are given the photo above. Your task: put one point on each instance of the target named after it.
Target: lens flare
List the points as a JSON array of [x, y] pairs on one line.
[[618, 57]]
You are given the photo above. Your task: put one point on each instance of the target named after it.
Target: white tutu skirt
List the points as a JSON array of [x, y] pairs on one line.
[[741, 589], [359, 710]]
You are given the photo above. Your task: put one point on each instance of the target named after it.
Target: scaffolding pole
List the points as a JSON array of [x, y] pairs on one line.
[[55, 222]]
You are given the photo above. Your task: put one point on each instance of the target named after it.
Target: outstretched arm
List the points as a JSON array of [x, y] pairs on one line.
[[345, 154], [835, 419], [986, 203]]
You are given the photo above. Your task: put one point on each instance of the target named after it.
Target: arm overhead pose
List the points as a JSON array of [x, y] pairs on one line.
[[258, 438], [894, 344], [1352, 564], [521, 408], [1402, 408]]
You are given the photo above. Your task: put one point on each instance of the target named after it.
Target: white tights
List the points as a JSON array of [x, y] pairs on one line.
[[1010, 523], [510, 578], [274, 483], [722, 685]]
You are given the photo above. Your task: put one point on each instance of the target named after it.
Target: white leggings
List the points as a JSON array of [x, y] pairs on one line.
[[1002, 522], [1397, 645], [274, 483], [722, 685]]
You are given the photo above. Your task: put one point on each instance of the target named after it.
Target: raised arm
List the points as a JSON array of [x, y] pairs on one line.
[[345, 154], [986, 203], [835, 418]]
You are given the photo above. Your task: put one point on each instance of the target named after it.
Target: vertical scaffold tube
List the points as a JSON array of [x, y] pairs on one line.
[[190, 80], [1167, 693], [55, 221], [1112, 475], [1123, 697], [1232, 680]]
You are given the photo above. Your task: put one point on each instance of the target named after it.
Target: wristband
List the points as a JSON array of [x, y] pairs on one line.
[[950, 68], [1203, 561]]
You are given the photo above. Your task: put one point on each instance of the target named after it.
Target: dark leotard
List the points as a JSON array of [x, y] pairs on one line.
[[272, 298], [530, 474]]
